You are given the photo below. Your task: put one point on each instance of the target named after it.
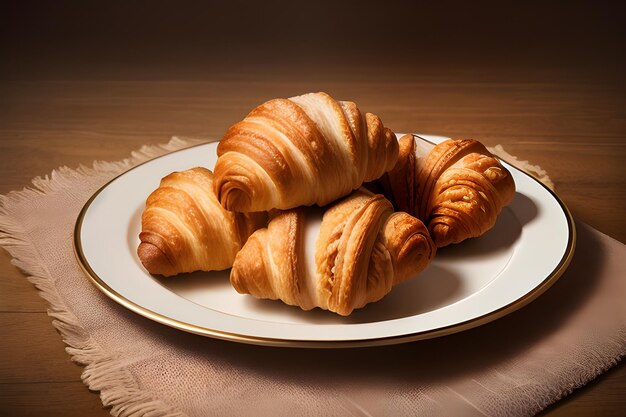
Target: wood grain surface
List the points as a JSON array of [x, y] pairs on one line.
[[555, 98]]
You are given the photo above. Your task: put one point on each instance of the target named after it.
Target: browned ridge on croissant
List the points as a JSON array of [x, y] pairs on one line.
[[457, 188], [362, 249], [184, 228], [305, 150]]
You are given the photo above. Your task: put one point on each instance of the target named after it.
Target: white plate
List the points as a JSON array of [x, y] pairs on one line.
[[466, 285]]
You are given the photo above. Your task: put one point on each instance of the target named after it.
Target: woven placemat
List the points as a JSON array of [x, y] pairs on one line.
[[516, 365]]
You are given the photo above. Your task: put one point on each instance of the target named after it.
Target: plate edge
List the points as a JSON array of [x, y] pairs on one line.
[[276, 342]]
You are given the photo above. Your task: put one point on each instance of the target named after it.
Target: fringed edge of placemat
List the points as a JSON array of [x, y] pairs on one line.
[[532, 170], [104, 373]]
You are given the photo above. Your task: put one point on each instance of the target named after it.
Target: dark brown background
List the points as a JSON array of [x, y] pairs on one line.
[[94, 80], [161, 39]]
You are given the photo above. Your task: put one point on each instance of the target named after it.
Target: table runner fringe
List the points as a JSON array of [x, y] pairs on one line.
[[118, 388]]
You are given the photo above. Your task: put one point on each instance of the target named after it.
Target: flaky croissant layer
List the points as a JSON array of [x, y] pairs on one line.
[[184, 228], [309, 149], [362, 248], [456, 187]]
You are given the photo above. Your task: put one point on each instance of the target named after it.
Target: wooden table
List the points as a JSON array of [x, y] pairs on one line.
[[573, 127], [78, 84]]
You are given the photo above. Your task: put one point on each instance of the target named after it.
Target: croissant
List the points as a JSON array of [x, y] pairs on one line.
[[354, 257], [184, 228], [457, 187], [305, 150]]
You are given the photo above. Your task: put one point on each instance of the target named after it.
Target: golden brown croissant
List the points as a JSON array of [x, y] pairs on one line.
[[362, 248], [457, 187], [309, 149], [185, 228]]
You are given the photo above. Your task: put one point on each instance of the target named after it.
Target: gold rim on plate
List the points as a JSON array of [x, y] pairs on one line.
[[267, 341]]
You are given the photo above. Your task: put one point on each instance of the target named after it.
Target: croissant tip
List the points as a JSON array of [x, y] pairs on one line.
[[238, 282], [438, 233], [235, 199], [421, 240], [231, 195], [247, 275], [154, 260]]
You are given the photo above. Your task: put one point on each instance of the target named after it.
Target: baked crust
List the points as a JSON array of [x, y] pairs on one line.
[[459, 187], [184, 228], [363, 248], [309, 149]]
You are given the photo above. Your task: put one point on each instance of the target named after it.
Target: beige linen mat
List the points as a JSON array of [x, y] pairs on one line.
[[514, 366]]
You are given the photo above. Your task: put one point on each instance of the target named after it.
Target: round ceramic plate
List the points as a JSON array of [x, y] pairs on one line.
[[466, 285]]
